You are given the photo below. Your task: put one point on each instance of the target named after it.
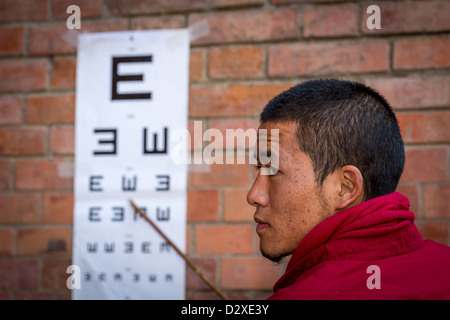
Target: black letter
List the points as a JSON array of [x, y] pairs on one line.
[[146, 247], [130, 186], [131, 77], [128, 247], [165, 183], [162, 215], [118, 214], [164, 246], [136, 214], [109, 248], [169, 277], [155, 143], [113, 141], [91, 247], [95, 185], [93, 214]]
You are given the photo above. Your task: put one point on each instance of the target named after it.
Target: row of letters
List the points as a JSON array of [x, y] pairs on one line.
[[127, 247], [118, 277], [111, 141], [117, 214], [129, 183]]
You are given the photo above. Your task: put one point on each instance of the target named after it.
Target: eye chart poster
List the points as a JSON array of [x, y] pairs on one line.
[[132, 93]]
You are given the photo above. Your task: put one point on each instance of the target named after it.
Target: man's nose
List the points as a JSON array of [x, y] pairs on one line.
[[258, 193]]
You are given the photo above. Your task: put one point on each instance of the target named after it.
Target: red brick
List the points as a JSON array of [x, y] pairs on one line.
[[203, 205], [4, 175], [23, 75], [30, 295], [223, 175], [160, 22], [36, 241], [247, 125], [196, 65], [217, 101], [63, 73], [88, 8], [19, 274], [236, 207], [19, 208], [10, 110], [412, 16], [188, 240], [5, 295], [207, 267], [62, 140], [425, 127], [235, 3], [196, 138], [52, 38], [22, 10], [435, 200], [416, 92], [54, 273], [328, 58], [236, 63], [6, 242], [58, 207], [301, 1], [330, 20], [425, 165], [22, 141], [412, 193], [434, 230], [248, 273], [11, 40], [224, 239], [41, 174], [248, 25], [50, 109], [133, 7], [421, 53]]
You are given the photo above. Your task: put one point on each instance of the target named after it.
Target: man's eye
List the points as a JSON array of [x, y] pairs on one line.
[[269, 171]]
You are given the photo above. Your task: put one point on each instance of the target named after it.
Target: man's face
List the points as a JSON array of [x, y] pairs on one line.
[[289, 203]]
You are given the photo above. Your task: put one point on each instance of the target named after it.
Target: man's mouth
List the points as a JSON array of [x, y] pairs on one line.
[[261, 225]]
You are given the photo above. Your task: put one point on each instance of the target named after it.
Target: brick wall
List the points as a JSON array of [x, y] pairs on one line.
[[254, 50]]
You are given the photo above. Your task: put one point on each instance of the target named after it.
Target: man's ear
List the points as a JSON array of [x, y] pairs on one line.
[[351, 190]]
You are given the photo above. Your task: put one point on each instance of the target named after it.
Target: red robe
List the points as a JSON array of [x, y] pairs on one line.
[[370, 251]]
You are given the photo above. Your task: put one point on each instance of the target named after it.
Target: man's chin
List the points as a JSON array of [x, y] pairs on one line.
[[275, 258]]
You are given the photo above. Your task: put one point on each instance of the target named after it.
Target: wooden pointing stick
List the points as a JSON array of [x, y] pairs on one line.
[[188, 261]]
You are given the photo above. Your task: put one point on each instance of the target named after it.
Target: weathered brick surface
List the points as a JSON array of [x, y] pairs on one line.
[[330, 20], [322, 58], [422, 53], [415, 16]]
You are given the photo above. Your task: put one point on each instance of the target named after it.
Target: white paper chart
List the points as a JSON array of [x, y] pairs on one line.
[[132, 93]]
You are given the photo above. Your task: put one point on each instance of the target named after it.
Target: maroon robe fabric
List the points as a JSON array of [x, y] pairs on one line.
[[370, 251]]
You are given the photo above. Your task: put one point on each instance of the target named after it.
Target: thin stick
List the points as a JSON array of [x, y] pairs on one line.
[[188, 261]]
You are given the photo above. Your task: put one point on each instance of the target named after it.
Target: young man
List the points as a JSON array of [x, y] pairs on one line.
[[331, 202]]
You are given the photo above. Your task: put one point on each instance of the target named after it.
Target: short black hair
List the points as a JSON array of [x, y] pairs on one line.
[[340, 123]]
